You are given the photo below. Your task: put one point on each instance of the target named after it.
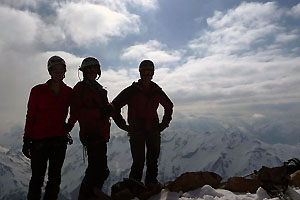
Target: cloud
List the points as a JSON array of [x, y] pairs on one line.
[[218, 78], [20, 4], [247, 56], [17, 24], [82, 22], [258, 116], [146, 4], [287, 37], [33, 33], [240, 30], [86, 23], [295, 11], [24, 30], [153, 50]]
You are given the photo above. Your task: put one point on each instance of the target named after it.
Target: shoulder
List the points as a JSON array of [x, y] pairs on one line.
[[126, 93], [156, 88], [136, 86], [78, 85], [133, 88], [66, 87], [39, 87]]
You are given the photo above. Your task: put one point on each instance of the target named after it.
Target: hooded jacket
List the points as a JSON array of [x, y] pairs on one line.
[[46, 112], [87, 106], [142, 107]]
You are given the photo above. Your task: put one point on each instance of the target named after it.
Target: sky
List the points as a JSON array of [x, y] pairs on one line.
[[217, 58]]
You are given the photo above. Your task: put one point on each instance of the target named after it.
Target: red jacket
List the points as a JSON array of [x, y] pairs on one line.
[[88, 101], [46, 113], [142, 107]]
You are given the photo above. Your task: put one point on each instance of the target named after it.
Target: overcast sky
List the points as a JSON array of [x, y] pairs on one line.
[[212, 57]]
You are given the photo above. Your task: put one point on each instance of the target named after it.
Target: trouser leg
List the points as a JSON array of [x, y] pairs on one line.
[[137, 147], [39, 160], [153, 151], [97, 171], [56, 160]]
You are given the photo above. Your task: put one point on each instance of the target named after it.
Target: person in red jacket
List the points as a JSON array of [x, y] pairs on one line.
[[143, 98], [91, 108], [46, 135]]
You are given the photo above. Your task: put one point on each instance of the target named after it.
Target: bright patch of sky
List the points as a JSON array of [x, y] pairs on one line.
[[220, 58]]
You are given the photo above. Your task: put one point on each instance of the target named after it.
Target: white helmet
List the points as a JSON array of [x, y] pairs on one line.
[[87, 62], [55, 60]]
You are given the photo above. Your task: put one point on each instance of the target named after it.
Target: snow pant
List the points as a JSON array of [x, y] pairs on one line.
[[97, 170], [138, 141], [49, 149]]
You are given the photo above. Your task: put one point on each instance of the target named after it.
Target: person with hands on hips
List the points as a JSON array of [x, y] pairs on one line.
[[143, 98], [46, 137]]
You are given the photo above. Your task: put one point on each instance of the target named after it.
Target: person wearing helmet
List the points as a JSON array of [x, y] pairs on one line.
[[45, 136], [91, 108], [143, 98]]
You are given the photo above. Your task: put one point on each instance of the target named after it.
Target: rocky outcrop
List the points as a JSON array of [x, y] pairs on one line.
[[193, 180], [241, 184], [266, 178], [295, 179]]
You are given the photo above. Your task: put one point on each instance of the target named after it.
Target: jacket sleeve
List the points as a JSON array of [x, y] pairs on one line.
[[75, 105], [168, 108], [31, 113], [121, 100]]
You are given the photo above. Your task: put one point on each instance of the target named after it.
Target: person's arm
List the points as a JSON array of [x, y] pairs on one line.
[[29, 124], [120, 101], [75, 105], [31, 113], [168, 110]]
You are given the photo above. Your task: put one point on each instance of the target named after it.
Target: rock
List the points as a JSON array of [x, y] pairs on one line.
[[274, 180], [193, 180], [295, 179], [241, 184], [130, 188]]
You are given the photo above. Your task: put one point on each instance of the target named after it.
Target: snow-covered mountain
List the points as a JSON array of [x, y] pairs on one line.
[[226, 153], [14, 174]]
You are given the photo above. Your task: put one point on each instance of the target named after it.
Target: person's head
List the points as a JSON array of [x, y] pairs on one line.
[[57, 68], [146, 70], [90, 68]]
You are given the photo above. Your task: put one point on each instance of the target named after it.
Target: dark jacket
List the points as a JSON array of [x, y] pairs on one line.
[[87, 106], [142, 107], [47, 112]]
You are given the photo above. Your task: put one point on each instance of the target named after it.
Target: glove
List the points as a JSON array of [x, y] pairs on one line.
[[162, 127], [68, 127], [26, 149]]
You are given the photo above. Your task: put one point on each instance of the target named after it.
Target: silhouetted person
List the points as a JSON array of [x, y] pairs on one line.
[[91, 108], [45, 137], [143, 98]]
